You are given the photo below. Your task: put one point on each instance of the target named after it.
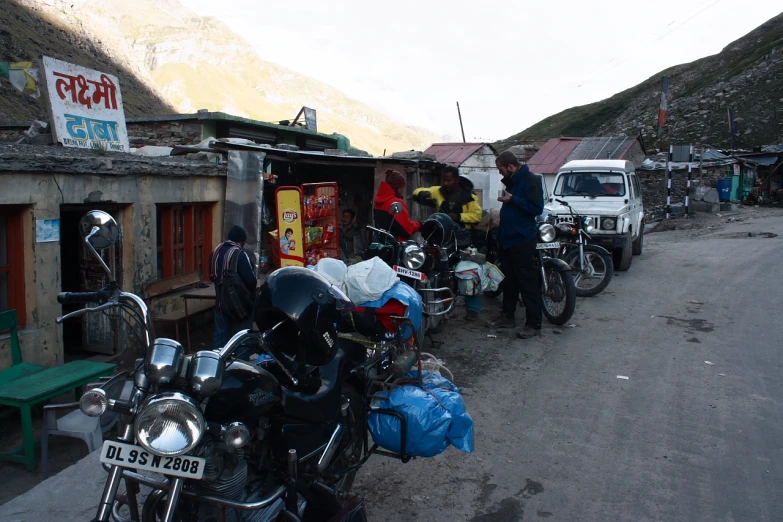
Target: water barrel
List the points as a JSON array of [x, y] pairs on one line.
[[724, 189]]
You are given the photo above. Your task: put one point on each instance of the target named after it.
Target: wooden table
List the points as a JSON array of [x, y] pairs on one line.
[[25, 392]]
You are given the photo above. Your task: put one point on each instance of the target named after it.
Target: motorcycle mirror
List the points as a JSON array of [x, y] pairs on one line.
[[99, 229], [100, 232], [396, 208]]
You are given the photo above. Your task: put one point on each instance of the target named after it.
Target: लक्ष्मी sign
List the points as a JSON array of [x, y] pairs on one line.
[[86, 107]]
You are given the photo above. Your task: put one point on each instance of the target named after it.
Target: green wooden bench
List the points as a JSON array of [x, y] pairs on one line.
[[24, 385]]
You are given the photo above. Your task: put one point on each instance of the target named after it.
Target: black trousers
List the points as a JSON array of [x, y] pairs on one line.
[[522, 276]]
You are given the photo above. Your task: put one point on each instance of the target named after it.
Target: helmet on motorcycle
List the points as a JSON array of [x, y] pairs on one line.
[[309, 306], [438, 229]]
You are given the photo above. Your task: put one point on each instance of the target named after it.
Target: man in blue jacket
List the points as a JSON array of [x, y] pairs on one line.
[[523, 201]]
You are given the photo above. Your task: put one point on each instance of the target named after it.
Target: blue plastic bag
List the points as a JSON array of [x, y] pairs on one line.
[[435, 417]]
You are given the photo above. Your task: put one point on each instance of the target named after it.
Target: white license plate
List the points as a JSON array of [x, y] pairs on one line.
[[134, 457], [547, 246], [407, 272]]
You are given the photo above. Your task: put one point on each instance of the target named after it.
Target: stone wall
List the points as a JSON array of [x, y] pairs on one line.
[[654, 187], [164, 133], [11, 134]]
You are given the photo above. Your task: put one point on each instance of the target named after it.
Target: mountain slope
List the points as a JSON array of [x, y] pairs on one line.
[[29, 29], [745, 75]]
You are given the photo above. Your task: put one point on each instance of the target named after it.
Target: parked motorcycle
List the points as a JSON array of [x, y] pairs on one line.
[[232, 441], [557, 282], [591, 265], [427, 267]]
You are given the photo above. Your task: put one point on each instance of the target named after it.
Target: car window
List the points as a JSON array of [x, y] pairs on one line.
[[638, 185], [631, 189], [590, 184]]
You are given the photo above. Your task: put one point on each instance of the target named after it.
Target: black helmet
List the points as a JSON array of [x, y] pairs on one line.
[[438, 229], [310, 307]]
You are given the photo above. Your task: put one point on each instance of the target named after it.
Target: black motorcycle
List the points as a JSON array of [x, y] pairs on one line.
[[217, 438], [591, 265], [427, 267], [557, 282]]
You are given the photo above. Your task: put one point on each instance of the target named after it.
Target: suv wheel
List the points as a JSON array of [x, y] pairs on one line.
[[624, 257], [638, 245]]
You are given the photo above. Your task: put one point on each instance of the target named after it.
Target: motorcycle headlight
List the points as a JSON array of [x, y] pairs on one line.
[[169, 424], [587, 223], [546, 232], [608, 224], [413, 257]]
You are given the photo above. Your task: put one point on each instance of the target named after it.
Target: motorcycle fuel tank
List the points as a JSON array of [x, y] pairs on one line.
[[247, 392]]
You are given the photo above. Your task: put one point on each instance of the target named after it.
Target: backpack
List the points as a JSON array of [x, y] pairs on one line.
[[236, 301]]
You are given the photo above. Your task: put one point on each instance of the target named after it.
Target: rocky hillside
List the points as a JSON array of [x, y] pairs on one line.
[[746, 75], [195, 62], [29, 30]]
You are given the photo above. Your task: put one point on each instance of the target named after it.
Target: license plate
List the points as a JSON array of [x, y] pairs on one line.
[[547, 246], [134, 457], [407, 272]]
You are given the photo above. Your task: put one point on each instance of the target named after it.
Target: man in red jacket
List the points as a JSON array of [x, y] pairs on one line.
[[391, 191]]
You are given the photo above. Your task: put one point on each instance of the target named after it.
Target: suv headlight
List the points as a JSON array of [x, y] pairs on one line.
[[608, 223], [169, 424], [546, 232], [587, 223], [413, 257]]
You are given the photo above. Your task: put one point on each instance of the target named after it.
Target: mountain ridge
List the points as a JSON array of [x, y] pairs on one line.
[[741, 76], [190, 62]]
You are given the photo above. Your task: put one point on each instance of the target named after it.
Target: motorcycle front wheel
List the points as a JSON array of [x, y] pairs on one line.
[[597, 272], [560, 296]]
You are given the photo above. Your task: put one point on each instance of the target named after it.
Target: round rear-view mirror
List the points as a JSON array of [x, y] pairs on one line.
[[101, 229], [396, 208]]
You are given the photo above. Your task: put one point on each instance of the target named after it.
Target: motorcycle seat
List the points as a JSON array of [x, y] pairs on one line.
[[324, 405]]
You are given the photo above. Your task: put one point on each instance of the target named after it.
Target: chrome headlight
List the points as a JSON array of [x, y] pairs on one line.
[[94, 403], [546, 232], [169, 424], [608, 224], [413, 257], [587, 223]]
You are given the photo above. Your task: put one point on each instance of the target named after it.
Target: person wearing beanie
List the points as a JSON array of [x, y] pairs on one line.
[[219, 263], [392, 191]]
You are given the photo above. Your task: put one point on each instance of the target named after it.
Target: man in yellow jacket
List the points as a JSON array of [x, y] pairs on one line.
[[455, 197]]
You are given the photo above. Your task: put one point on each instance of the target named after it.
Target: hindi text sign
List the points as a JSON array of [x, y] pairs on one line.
[[86, 107]]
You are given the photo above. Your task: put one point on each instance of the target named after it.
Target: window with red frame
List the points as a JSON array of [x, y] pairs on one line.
[[12, 263], [184, 232]]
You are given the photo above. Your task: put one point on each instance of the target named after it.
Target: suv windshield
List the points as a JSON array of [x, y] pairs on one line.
[[590, 184]]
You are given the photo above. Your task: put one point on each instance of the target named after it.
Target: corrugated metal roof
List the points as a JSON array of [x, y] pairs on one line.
[[712, 155], [552, 155], [602, 148], [454, 154]]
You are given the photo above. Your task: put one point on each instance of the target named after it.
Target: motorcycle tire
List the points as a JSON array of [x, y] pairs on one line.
[[560, 300], [593, 255]]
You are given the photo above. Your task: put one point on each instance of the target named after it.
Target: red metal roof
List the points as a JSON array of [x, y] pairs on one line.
[[454, 154], [552, 155]]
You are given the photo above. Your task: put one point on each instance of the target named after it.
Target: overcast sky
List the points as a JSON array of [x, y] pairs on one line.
[[509, 63]]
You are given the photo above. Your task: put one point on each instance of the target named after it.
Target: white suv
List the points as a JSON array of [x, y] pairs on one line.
[[609, 192]]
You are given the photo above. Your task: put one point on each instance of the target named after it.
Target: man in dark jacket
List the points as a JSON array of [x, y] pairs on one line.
[[219, 262], [391, 191], [523, 201]]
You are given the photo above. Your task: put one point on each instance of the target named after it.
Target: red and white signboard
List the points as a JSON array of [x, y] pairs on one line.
[[86, 107]]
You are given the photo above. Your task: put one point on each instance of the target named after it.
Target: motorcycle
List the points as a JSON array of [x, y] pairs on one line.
[[557, 282], [218, 438], [591, 265], [427, 267]]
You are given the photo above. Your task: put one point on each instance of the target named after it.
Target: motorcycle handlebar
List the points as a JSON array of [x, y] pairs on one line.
[[78, 297], [564, 203]]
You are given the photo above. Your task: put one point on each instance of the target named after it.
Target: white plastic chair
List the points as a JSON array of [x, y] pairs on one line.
[[76, 424]]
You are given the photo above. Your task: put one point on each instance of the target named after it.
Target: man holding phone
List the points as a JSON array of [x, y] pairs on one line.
[[523, 201]]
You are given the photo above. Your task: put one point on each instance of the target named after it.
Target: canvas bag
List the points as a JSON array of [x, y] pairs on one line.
[[236, 301]]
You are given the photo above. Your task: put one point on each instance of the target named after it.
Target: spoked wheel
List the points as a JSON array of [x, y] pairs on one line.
[[560, 296], [593, 275]]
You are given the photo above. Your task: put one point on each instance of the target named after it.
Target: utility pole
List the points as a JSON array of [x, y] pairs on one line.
[[460, 123]]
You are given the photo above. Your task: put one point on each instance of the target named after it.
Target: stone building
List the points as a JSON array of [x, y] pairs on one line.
[[48, 189]]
